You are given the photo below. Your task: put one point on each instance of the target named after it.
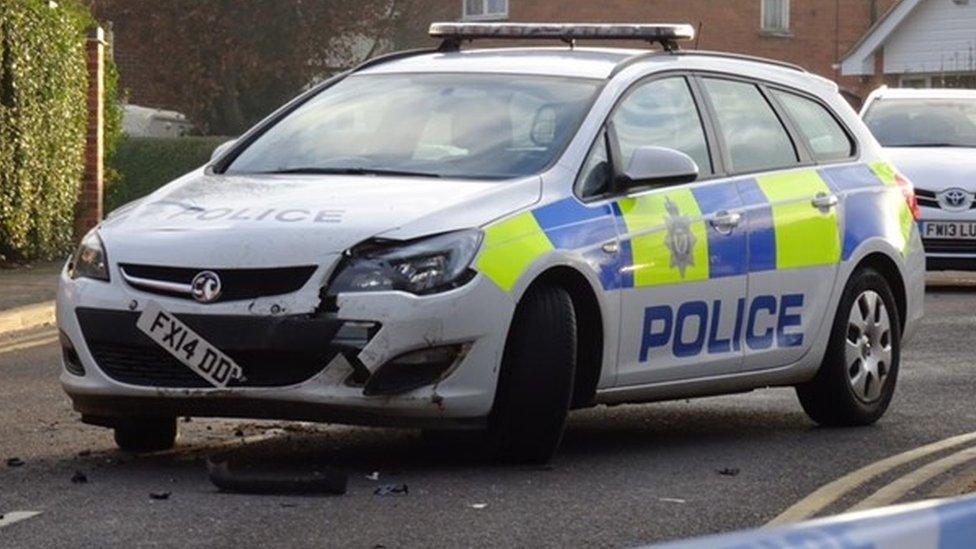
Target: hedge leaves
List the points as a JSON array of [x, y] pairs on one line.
[[43, 83]]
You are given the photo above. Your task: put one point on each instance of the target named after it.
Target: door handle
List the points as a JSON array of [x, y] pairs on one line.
[[725, 221], [824, 201]]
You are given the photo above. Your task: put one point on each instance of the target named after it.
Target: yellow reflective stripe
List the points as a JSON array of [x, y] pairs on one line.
[[647, 219], [510, 247], [886, 173], [805, 236]]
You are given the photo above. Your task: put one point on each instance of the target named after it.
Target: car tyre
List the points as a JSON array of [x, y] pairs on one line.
[[535, 385], [146, 435], [856, 380]]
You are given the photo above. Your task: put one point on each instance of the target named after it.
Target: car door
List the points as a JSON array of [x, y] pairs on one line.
[[682, 251], [791, 215]]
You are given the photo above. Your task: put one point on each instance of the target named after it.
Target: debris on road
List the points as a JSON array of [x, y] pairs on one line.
[[276, 481], [728, 472], [159, 495], [84, 453], [15, 462], [392, 490], [672, 500], [375, 475], [79, 478], [478, 505]]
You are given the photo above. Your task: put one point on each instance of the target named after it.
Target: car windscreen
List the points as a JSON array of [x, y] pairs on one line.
[[923, 122], [484, 126]]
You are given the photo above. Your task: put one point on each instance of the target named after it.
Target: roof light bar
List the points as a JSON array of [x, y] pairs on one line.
[[666, 35]]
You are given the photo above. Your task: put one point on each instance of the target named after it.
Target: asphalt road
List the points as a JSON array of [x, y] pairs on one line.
[[625, 476]]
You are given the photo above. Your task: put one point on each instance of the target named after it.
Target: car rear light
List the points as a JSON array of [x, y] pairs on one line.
[[908, 191]]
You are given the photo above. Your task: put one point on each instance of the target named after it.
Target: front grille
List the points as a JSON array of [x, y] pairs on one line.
[[272, 351], [928, 198], [236, 284], [933, 245]]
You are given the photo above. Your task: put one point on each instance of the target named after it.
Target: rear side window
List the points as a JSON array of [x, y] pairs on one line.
[[754, 135], [825, 137]]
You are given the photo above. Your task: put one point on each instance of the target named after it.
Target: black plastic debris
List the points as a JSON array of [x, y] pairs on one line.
[[159, 495], [84, 453], [79, 478], [15, 462], [728, 472], [276, 480], [238, 433], [392, 490]]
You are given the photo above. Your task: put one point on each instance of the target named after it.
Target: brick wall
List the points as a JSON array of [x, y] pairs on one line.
[[821, 30]]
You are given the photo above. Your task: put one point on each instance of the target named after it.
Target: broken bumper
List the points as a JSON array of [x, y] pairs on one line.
[[299, 364]]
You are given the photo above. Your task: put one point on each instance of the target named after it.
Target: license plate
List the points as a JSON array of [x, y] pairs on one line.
[[959, 230], [187, 346]]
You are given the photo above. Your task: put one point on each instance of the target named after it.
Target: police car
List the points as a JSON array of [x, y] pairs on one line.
[[488, 238], [930, 135]]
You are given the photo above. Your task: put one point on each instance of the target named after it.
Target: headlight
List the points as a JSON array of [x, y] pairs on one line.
[[89, 260], [422, 266]]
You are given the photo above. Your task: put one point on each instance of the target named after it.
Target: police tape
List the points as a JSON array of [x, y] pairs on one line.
[[943, 524]]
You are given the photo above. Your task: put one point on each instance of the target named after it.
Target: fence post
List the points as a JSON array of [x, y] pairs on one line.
[[90, 203]]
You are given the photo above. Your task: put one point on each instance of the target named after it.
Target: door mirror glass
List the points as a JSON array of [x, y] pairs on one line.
[[657, 167], [221, 149]]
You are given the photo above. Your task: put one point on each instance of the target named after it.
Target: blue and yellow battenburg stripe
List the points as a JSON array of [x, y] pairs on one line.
[[783, 233]]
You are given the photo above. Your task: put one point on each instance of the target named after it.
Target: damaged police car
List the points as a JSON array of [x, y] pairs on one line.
[[486, 239]]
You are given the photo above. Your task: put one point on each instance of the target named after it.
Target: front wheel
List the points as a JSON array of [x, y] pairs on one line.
[[536, 381], [857, 378]]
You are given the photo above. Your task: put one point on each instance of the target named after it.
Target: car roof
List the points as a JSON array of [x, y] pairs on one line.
[[593, 62], [924, 93]]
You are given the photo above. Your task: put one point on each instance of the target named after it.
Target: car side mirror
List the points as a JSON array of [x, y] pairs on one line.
[[656, 167], [221, 149]]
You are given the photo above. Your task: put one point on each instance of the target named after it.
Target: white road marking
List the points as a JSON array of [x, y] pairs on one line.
[[14, 517], [34, 340], [893, 492], [834, 491]]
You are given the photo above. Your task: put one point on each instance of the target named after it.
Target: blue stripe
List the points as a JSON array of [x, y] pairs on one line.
[[726, 253], [571, 225], [864, 209], [848, 178], [759, 219]]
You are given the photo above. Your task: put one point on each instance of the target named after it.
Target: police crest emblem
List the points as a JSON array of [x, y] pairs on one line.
[[679, 240]]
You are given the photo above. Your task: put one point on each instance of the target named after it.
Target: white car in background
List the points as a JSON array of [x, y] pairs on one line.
[[930, 136]]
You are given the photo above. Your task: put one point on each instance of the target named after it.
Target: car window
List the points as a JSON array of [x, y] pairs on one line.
[[483, 126], [661, 113], [596, 175], [754, 135], [824, 135], [923, 122]]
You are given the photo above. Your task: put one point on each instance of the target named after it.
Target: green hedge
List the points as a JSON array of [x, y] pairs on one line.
[[43, 83], [145, 163]]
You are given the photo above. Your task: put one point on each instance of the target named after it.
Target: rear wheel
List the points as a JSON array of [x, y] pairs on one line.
[[145, 435], [536, 381], [857, 378]]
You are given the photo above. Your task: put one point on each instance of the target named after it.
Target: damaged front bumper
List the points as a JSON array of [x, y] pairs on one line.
[[385, 358]]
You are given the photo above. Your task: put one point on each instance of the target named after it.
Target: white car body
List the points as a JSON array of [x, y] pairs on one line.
[[208, 220], [944, 179]]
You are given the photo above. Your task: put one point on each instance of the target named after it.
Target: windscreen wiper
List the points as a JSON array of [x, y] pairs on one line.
[[933, 145], [311, 170]]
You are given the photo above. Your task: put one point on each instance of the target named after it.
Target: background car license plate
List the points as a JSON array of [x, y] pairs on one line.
[[187, 346], [963, 230]]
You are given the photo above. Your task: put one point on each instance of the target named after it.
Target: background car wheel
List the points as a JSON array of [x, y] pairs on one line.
[[536, 381], [857, 378], [146, 435]]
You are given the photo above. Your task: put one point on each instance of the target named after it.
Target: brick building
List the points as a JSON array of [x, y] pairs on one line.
[[816, 34]]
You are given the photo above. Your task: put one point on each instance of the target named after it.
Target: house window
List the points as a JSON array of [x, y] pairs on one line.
[[484, 10], [776, 16]]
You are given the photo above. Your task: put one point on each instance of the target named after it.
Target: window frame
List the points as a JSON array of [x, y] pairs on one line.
[[606, 128], [485, 15], [784, 28]]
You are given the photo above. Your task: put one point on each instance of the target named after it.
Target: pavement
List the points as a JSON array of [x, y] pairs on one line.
[[27, 296], [625, 475]]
